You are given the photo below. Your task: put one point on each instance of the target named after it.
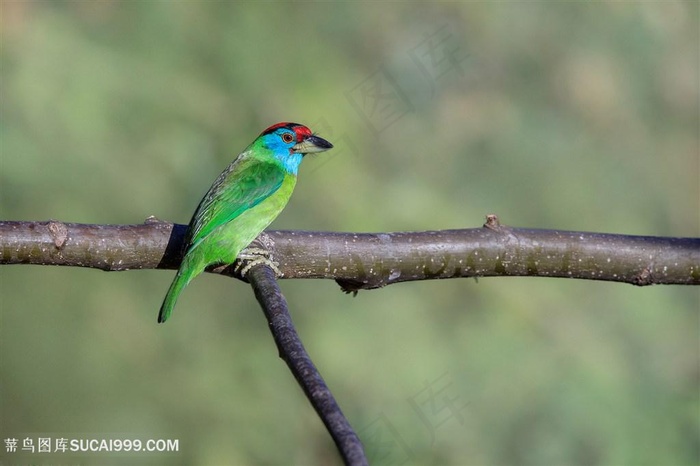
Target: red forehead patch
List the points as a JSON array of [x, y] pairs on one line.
[[301, 131]]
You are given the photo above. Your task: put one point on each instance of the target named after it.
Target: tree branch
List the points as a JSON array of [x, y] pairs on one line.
[[272, 301], [372, 260], [363, 261]]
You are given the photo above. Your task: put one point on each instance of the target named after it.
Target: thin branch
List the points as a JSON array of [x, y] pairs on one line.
[[273, 303], [372, 260]]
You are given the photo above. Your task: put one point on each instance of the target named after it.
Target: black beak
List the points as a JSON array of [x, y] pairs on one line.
[[312, 144]]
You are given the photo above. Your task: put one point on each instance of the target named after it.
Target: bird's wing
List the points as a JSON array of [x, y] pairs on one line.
[[244, 184]]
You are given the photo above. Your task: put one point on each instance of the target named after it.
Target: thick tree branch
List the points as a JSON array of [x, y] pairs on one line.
[[271, 299], [363, 261], [372, 260]]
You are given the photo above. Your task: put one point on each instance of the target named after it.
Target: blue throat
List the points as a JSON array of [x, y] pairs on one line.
[[290, 162], [282, 152]]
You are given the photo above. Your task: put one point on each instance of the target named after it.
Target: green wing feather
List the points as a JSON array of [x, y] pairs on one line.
[[243, 185]]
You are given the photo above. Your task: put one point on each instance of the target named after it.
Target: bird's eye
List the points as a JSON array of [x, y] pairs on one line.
[[287, 137]]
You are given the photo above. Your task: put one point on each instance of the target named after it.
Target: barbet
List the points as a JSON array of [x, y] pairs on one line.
[[246, 197]]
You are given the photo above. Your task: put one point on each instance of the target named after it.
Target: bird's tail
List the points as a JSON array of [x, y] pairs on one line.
[[181, 280]]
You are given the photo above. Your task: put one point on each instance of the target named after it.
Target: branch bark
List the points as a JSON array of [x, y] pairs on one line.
[[292, 351], [363, 261], [372, 260]]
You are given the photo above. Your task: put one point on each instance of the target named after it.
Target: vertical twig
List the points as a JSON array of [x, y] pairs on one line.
[[273, 303]]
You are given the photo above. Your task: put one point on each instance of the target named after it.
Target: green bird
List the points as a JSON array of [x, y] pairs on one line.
[[246, 197]]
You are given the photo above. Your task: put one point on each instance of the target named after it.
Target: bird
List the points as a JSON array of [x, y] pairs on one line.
[[245, 198]]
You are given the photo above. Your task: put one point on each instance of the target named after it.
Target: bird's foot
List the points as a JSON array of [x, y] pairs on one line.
[[250, 257]]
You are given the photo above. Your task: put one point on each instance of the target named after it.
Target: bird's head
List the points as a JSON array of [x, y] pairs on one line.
[[290, 142]]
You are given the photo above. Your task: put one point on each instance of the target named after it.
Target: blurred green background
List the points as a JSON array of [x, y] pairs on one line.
[[567, 116]]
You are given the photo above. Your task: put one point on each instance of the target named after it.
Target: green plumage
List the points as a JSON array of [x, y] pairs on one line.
[[247, 196]]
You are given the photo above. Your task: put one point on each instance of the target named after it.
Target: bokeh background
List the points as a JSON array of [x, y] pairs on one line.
[[570, 116]]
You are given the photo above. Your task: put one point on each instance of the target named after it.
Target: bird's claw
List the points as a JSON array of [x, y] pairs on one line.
[[250, 257]]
